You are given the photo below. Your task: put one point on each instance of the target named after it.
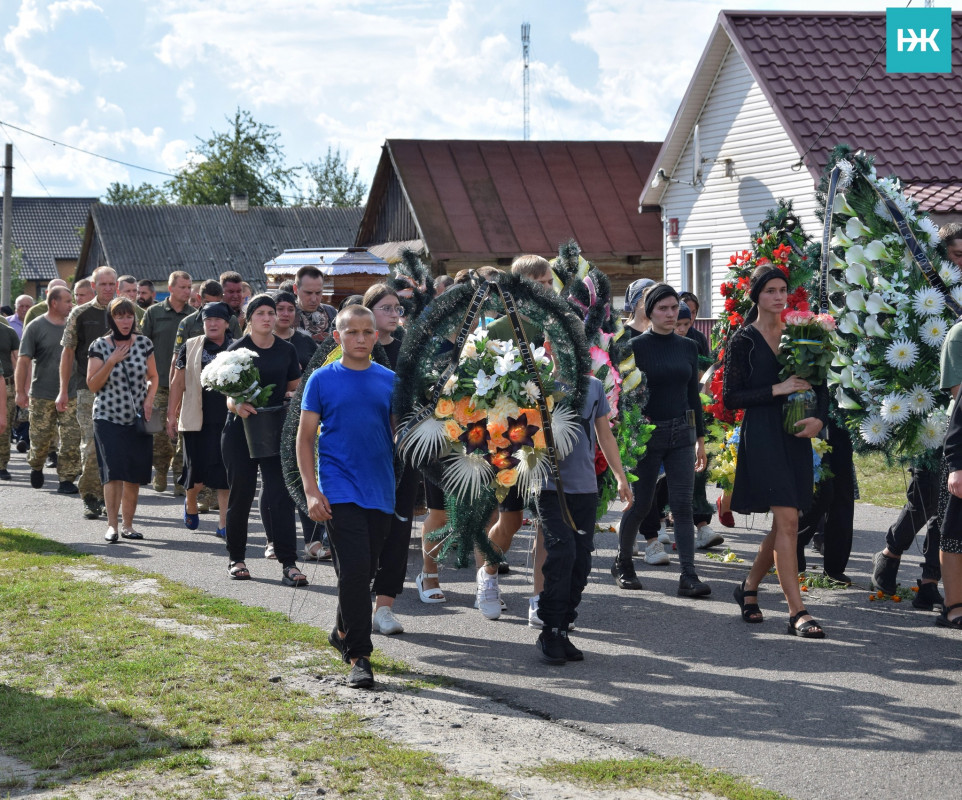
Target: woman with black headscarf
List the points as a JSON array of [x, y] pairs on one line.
[[774, 469], [670, 364], [276, 360], [121, 371]]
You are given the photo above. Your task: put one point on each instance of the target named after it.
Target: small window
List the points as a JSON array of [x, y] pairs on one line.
[[696, 276]]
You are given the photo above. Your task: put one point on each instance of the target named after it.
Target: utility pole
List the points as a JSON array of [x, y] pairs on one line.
[[5, 298], [525, 46]]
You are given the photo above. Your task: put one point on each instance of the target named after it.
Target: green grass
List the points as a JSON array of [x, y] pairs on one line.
[[674, 775], [880, 483], [91, 689]]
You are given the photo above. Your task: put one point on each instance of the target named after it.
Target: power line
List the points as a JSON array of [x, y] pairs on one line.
[[86, 152]]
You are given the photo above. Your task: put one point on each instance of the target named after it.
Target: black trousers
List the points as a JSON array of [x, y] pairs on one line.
[[921, 509], [357, 536], [392, 566], [276, 506], [835, 501], [567, 562]]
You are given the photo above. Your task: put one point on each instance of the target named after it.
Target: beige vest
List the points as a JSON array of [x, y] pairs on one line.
[[191, 408]]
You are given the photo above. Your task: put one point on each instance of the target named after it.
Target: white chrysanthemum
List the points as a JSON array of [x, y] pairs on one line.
[[928, 301], [957, 294], [950, 273], [932, 331], [902, 354], [926, 225], [875, 430], [846, 170], [929, 436], [921, 400], [531, 391], [895, 408]]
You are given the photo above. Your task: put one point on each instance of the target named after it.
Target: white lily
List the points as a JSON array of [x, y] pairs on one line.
[[856, 273], [832, 285], [844, 401], [849, 324], [876, 251], [880, 283], [841, 206], [854, 229], [484, 383], [837, 263], [841, 359], [855, 300], [874, 304], [506, 364], [847, 378], [873, 328]]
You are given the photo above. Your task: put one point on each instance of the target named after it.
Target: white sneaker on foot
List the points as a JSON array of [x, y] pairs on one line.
[[385, 622], [663, 536], [534, 621], [705, 537], [655, 554], [488, 597]]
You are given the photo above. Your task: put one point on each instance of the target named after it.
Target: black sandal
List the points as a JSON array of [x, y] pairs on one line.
[[943, 621], [809, 629], [238, 572], [751, 613], [294, 577]]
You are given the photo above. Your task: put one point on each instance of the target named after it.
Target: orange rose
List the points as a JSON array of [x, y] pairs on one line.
[[497, 429], [507, 477], [538, 440], [466, 413], [444, 408], [452, 430], [533, 415]]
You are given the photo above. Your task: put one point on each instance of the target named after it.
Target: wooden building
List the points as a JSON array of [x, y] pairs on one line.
[[470, 203]]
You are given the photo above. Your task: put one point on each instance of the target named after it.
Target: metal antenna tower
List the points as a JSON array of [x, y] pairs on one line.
[[525, 47]]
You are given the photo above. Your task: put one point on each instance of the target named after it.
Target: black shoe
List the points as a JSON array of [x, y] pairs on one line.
[[841, 577], [623, 571], [691, 586], [503, 568], [36, 478], [361, 676], [91, 507], [5, 475], [927, 597], [885, 573], [552, 647], [818, 543], [571, 652], [52, 460], [67, 487], [23, 446], [338, 644]]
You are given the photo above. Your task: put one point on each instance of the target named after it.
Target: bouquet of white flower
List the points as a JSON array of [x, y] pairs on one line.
[[233, 373]]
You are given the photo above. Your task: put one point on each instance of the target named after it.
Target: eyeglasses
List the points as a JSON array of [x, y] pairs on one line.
[[399, 310]]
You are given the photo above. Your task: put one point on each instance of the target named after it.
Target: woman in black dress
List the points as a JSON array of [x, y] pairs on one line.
[[774, 469]]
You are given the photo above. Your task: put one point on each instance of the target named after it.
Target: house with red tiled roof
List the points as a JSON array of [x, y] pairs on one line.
[[465, 204], [772, 95]]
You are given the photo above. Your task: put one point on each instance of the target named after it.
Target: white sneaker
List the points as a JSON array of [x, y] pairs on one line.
[[663, 536], [534, 621], [705, 537], [655, 554], [488, 598], [111, 535], [385, 622]]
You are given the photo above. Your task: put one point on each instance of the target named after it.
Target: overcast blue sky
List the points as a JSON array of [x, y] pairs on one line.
[[139, 81]]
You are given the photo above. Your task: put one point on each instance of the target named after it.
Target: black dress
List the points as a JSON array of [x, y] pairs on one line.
[[773, 468]]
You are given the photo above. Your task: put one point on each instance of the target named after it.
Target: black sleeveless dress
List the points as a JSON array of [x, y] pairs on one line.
[[773, 468]]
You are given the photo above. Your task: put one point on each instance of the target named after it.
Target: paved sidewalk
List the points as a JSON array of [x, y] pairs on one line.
[[874, 711]]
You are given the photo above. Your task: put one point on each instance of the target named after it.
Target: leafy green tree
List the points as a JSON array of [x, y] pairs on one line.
[[246, 158], [126, 194], [333, 183]]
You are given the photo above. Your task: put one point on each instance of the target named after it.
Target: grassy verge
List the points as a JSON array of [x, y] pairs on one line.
[[674, 775], [879, 483], [131, 685]]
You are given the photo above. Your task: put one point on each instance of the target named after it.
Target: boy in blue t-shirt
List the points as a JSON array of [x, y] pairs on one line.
[[353, 492], [568, 550]]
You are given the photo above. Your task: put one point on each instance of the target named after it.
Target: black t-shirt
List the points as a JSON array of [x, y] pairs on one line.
[[304, 345], [393, 350], [277, 364]]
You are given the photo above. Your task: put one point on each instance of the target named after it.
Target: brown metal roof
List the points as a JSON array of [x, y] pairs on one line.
[[807, 63], [496, 199]]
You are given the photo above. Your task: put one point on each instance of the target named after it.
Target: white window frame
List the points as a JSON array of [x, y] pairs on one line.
[[689, 276]]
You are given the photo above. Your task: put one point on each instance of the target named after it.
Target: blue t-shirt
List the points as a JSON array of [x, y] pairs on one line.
[[355, 451], [578, 467]]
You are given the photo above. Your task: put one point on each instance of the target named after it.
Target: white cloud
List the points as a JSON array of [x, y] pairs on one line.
[[188, 106], [105, 65]]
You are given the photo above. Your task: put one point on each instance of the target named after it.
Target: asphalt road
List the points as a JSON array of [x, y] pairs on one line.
[[873, 711]]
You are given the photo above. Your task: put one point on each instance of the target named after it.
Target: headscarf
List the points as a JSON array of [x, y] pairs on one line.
[[758, 281], [684, 312], [257, 301], [635, 290], [216, 310], [656, 294]]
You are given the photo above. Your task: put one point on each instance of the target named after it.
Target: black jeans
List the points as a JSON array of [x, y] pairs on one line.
[[673, 444], [275, 504], [567, 562], [392, 566], [357, 536], [835, 500], [920, 510]]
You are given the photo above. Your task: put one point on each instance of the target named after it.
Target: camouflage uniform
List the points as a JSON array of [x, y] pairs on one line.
[[11, 412], [167, 455], [89, 482], [45, 422]]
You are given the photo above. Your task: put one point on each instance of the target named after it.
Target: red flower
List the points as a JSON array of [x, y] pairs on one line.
[[601, 463], [502, 459], [762, 260], [476, 436], [735, 319], [784, 269], [743, 283], [730, 304]]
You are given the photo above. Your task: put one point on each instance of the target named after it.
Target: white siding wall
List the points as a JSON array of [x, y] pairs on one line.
[[737, 122]]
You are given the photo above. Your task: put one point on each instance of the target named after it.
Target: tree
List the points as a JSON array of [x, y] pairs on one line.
[[126, 194], [332, 184], [247, 158]]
